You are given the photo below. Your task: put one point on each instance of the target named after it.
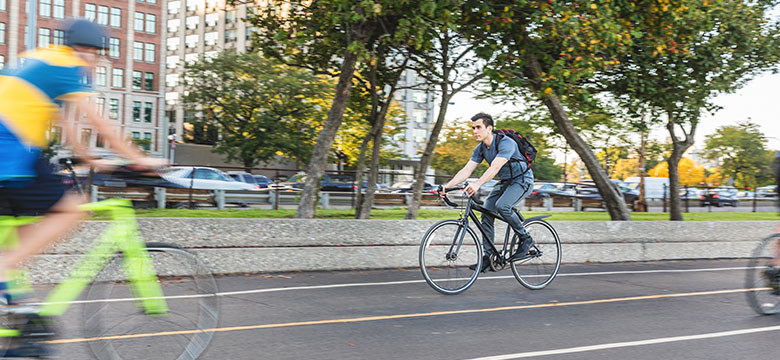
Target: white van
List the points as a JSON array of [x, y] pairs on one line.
[[654, 186]]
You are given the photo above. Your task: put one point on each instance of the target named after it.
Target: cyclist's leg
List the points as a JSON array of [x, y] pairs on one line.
[[514, 192], [45, 195], [488, 220]]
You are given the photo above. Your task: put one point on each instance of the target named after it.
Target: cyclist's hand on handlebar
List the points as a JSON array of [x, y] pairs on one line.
[[103, 164], [442, 191], [471, 189]]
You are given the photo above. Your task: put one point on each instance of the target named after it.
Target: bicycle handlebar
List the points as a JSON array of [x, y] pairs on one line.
[[461, 187]]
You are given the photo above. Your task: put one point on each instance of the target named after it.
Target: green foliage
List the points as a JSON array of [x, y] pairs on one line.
[[740, 153], [260, 108]]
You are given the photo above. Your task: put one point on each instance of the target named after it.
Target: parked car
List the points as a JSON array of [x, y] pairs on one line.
[[204, 178], [767, 192], [543, 190], [244, 177], [588, 190], [329, 182], [745, 194], [263, 181], [689, 193], [718, 197], [407, 186]]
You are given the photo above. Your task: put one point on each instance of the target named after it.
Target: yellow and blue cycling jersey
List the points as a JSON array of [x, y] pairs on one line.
[[30, 100]]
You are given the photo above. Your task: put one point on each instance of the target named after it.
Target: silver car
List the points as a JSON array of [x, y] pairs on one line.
[[204, 178]]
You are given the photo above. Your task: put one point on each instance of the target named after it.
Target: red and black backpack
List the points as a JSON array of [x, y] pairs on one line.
[[526, 149]]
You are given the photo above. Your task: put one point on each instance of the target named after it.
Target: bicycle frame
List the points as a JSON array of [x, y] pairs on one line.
[[121, 235], [469, 214]]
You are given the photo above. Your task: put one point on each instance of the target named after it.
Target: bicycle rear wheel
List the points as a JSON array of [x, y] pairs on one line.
[[118, 327], [444, 264], [761, 297], [544, 260]]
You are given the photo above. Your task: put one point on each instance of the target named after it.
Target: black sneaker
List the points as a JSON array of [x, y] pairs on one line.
[[485, 264], [522, 251]]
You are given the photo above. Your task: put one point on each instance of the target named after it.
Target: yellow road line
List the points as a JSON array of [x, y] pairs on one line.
[[404, 316]]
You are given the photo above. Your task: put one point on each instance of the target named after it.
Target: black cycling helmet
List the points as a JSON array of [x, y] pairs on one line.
[[83, 32]]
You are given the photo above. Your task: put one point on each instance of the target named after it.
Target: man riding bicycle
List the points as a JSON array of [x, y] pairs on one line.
[[772, 273], [48, 87], [517, 180]]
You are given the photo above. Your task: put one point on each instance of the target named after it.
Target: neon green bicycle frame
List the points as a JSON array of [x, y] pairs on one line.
[[122, 235]]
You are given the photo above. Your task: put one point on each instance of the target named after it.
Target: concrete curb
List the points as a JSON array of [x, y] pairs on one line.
[[272, 245]]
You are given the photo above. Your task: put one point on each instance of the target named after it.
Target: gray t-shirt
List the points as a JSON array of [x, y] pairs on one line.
[[506, 149]]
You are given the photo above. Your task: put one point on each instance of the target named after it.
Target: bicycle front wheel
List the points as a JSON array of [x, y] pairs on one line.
[[118, 327], [763, 299], [544, 260], [445, 260]]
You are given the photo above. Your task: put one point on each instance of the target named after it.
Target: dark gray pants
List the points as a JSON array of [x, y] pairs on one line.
[[501, 200]]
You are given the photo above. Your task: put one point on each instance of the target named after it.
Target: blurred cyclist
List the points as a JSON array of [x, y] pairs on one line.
[[46, 86], [772, 273]]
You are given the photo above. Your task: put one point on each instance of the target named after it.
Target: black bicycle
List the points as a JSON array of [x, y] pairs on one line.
[[761, 296], [450, 248]]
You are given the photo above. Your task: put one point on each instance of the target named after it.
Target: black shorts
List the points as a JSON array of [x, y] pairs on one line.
[[37, 197]]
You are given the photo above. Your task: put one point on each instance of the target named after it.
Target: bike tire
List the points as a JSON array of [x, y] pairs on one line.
[[449, 276], [113, 315], [537, 272], [760, 297]]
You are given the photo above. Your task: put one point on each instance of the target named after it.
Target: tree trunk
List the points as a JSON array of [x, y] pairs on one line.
[[679, 147], [642, 203], [368, 199], [613, 199], [425, 159], [319, 157], [361, 168]]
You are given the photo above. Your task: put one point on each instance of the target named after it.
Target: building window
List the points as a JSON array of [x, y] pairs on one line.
[[151, 1], [118, 78], [173, 7], [151, 23], [171, 97], [45, 8], [231, 16], [172, 80], [211, 3], [173, 25], [99, 141], [191, 40], [149, 81], [55, 135], [90, 10], [137, 78], [420, 135], [138, 25], [192, 22], [102, 16], [86, 136], [59, 9], [190, 58], [149, 52], [192, 5], [136, 135], [2, 32], [59, 37], [148, 144], [171, 62], [2, 5], [172, 43], [100, 76], [116, 17], [113, 108], [148, 109], [100, 103], [231, 35], [212, 19], [113, 47], [208, 55], [44, 37], [2, 61], [137, 111], [420, 115], [210, 38], [138, 51]]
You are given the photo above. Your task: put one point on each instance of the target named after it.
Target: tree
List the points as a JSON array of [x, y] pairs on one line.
[[259, 107], [741, 154], [691, 173], [689, 52]]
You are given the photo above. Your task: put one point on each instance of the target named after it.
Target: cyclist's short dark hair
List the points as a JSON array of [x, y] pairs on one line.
[[487, 120]]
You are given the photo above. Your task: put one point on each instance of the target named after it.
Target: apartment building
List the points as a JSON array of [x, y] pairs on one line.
[[128, 77]]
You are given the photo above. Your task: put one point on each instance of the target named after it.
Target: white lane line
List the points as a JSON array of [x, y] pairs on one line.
[[627, 344], [402, 282]]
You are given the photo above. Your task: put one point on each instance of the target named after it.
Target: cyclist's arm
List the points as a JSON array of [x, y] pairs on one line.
[[463, 174], [491, 172], [110, 134]]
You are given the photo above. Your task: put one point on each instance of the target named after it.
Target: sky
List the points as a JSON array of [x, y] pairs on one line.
[[758, 101]]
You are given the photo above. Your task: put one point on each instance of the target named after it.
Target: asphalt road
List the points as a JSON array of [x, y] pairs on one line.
[[654, 310]]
